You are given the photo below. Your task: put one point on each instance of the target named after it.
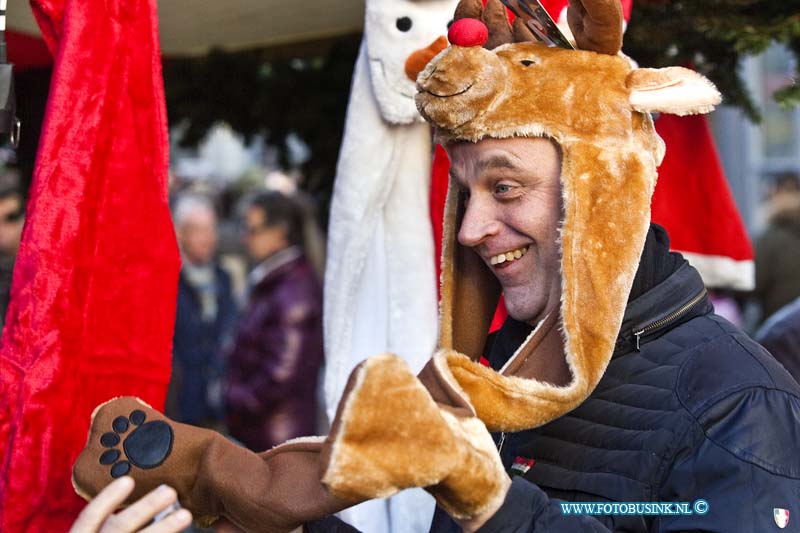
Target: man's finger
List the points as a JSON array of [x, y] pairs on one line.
[[105, 503], [141, 512], [172, 523]]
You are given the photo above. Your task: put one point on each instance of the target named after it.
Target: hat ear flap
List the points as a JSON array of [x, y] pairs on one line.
[[470, 292], [521, 32]]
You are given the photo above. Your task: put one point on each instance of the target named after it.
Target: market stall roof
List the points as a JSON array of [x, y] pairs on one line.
[[192, 28]]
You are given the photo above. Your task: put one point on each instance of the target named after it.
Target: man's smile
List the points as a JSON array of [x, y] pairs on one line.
[[509, 256]]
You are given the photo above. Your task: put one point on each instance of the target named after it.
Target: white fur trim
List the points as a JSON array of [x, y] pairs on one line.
[[521, 346], [719, 271], [305, 440]]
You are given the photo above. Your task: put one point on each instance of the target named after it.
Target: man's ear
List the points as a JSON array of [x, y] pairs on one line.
[[672, 90]]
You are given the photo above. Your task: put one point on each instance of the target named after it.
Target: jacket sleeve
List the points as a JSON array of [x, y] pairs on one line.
[[743, 463], [330, 524], [290, 352], [765, 257], [740, 459], [527, 509]]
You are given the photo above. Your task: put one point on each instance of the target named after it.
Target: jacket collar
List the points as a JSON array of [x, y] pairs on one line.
[[677, 299], [272, 264]]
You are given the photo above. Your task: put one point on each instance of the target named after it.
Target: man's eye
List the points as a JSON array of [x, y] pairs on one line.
[[502, 188]]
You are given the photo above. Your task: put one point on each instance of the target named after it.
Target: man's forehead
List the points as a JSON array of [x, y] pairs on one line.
[[468, 159]]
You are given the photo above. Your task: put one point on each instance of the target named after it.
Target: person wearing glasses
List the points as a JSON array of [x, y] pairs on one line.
[[12, 219], [277, 350]]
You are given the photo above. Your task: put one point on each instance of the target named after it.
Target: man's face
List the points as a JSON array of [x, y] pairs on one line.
[[512, 190], [197, 236], [11, 222], [260, 239]]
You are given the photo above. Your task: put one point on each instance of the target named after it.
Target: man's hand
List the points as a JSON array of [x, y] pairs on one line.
[[97, 517]]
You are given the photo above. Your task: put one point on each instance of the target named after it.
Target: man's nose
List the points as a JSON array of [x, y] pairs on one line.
[[478, 224], [416, 62]]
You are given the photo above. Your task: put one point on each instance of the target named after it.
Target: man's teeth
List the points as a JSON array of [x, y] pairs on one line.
[[507, 257]]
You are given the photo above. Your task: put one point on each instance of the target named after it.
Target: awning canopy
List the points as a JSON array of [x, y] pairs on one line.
[[192, 28]]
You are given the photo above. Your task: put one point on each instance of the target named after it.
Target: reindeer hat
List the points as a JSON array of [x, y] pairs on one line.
[[596, 106]]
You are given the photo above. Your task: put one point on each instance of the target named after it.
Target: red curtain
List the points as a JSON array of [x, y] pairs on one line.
[[94, 288], [27, 51]]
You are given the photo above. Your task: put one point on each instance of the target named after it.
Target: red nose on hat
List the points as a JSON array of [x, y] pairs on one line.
[[468, 32]]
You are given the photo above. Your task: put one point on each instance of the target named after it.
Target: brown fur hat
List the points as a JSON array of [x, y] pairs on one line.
[[596, 106]]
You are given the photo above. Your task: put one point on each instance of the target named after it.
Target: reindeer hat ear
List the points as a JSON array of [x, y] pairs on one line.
[[595, 106], [673, 90]]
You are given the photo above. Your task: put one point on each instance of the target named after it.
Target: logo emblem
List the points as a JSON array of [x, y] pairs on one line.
[[781, 517], [522, 465]]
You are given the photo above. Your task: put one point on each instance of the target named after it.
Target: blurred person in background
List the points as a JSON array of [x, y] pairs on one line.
[[206, 316], [778, 248], [271, 394], [780, 334], [12, 219]]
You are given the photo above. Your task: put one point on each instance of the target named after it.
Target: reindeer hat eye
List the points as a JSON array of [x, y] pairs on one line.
[[527, 62], [403, 24]]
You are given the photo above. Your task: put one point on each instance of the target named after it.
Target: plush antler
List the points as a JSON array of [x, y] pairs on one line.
[[493, 16], [521, 32], [496, 19], [472, 9], [596, 25]]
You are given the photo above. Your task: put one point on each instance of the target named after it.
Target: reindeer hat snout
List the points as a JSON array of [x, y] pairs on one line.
[[447, 95], [596, 106]]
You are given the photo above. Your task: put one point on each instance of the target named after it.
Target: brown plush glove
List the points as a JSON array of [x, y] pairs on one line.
[[392, 431], [389, 434], [275, 491], [395, 431]]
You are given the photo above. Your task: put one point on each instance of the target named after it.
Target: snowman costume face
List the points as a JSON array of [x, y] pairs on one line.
[[394, 32]]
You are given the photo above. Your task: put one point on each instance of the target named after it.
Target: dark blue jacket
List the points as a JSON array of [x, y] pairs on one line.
[[691, 409], [197, 352]]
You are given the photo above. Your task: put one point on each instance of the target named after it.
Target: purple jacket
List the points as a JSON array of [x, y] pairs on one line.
[[274, 362]]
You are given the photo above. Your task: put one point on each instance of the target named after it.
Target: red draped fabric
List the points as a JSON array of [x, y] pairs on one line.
[[694, 203], [94, 288], [27, 51]]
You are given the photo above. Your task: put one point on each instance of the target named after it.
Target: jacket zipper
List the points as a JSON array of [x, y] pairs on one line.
[[685, 308], [502, 441]]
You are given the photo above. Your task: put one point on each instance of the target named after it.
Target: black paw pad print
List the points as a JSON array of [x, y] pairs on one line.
[[146, 446]]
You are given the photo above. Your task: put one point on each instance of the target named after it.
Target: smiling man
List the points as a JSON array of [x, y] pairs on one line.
[[501, 183]]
